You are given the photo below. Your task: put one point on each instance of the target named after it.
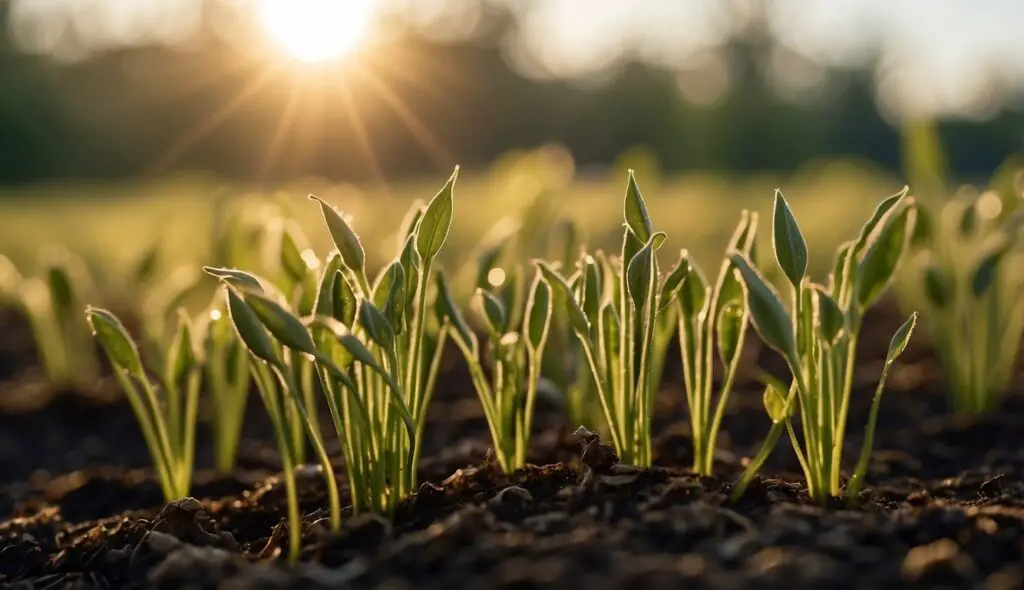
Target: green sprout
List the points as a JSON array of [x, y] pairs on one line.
[[227, 380], [613, 316], [52, 304], [708, 317], [508, 410], [969, 278], [255, 309], [375, 355], [167, 412], [818, 338]]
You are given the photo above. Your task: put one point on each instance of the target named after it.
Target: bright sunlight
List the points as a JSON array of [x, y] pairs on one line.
[[315, 30]]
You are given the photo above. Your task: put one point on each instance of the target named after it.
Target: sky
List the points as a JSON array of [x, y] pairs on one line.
[[935, 57]]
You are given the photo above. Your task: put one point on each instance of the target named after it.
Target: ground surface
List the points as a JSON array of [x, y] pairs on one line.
[[943, 507]]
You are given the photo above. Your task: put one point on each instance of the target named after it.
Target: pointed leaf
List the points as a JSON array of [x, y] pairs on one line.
[[868, 231], [250, 330], [640, 272], [693, 296], [635, 211], [538, 313], [883, 255], [789, 244], [290, 255], [436, 222], [324, 304], [115, 340], [345, 300], [775, 403], [562, 293], [937, 286], [494, 312], [730, 326], [376, 325], [842, 270], [235, 277], [670, 287], [281, 323], [900, 339], [831, 319], [766, 309], [345, 239]]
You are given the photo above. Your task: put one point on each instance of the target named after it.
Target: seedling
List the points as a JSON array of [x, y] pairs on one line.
[[710, 317], [167, 412], [969, 278], [52, 304], [508, 409], [613, 315], [375, 353], [227, 380], [818, 337]]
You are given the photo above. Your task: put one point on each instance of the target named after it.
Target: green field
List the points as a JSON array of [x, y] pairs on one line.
[[110, 225]]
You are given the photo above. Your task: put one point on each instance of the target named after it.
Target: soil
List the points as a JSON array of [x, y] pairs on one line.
[[943, 506]]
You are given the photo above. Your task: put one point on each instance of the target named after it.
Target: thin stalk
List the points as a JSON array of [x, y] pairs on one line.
[[844, 407], [161, 461]]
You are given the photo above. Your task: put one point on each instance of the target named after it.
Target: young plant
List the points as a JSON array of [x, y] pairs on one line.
[[709, 317], [613, 314], [391, 318], [227, 380], [256, 309], [52, 304], [969, 278], [166, 412], [509, 410], [818, 337]]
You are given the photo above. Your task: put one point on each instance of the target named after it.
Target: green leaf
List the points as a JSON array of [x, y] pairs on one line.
[[494, 313], [775, 403], [281, 323], [831, 319], [250, 330], [345, 239], [693, 295], [538, 313], [62, 293], [436, 221], [730, 326], [900, 339], [937, 286], [410, 260], [640, 272], [880, 213], [883, 255], [235, 277], [766, 310], [635, 211], [115, 340], [670, 287], [324, 304], [376, 324], [345, 300], [327, 333], [389, 294], [359, 352], [788, 242], [591, 291], [181, 357], [562, 293], [986, 272], [842, 271], [290, 255]]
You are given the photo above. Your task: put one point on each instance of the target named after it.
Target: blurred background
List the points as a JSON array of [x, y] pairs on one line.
[[125, 121]]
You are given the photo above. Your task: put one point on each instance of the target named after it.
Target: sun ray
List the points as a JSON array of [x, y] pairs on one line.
[[210, 123], [438, 153], [281, 132]]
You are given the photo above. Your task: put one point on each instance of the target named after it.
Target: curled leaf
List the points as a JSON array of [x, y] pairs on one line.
[[115, 340]]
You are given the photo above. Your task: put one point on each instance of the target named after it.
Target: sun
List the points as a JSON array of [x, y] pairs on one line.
[[315, 30]]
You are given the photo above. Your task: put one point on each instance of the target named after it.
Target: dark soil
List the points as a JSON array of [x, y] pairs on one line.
[[943, 506]]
